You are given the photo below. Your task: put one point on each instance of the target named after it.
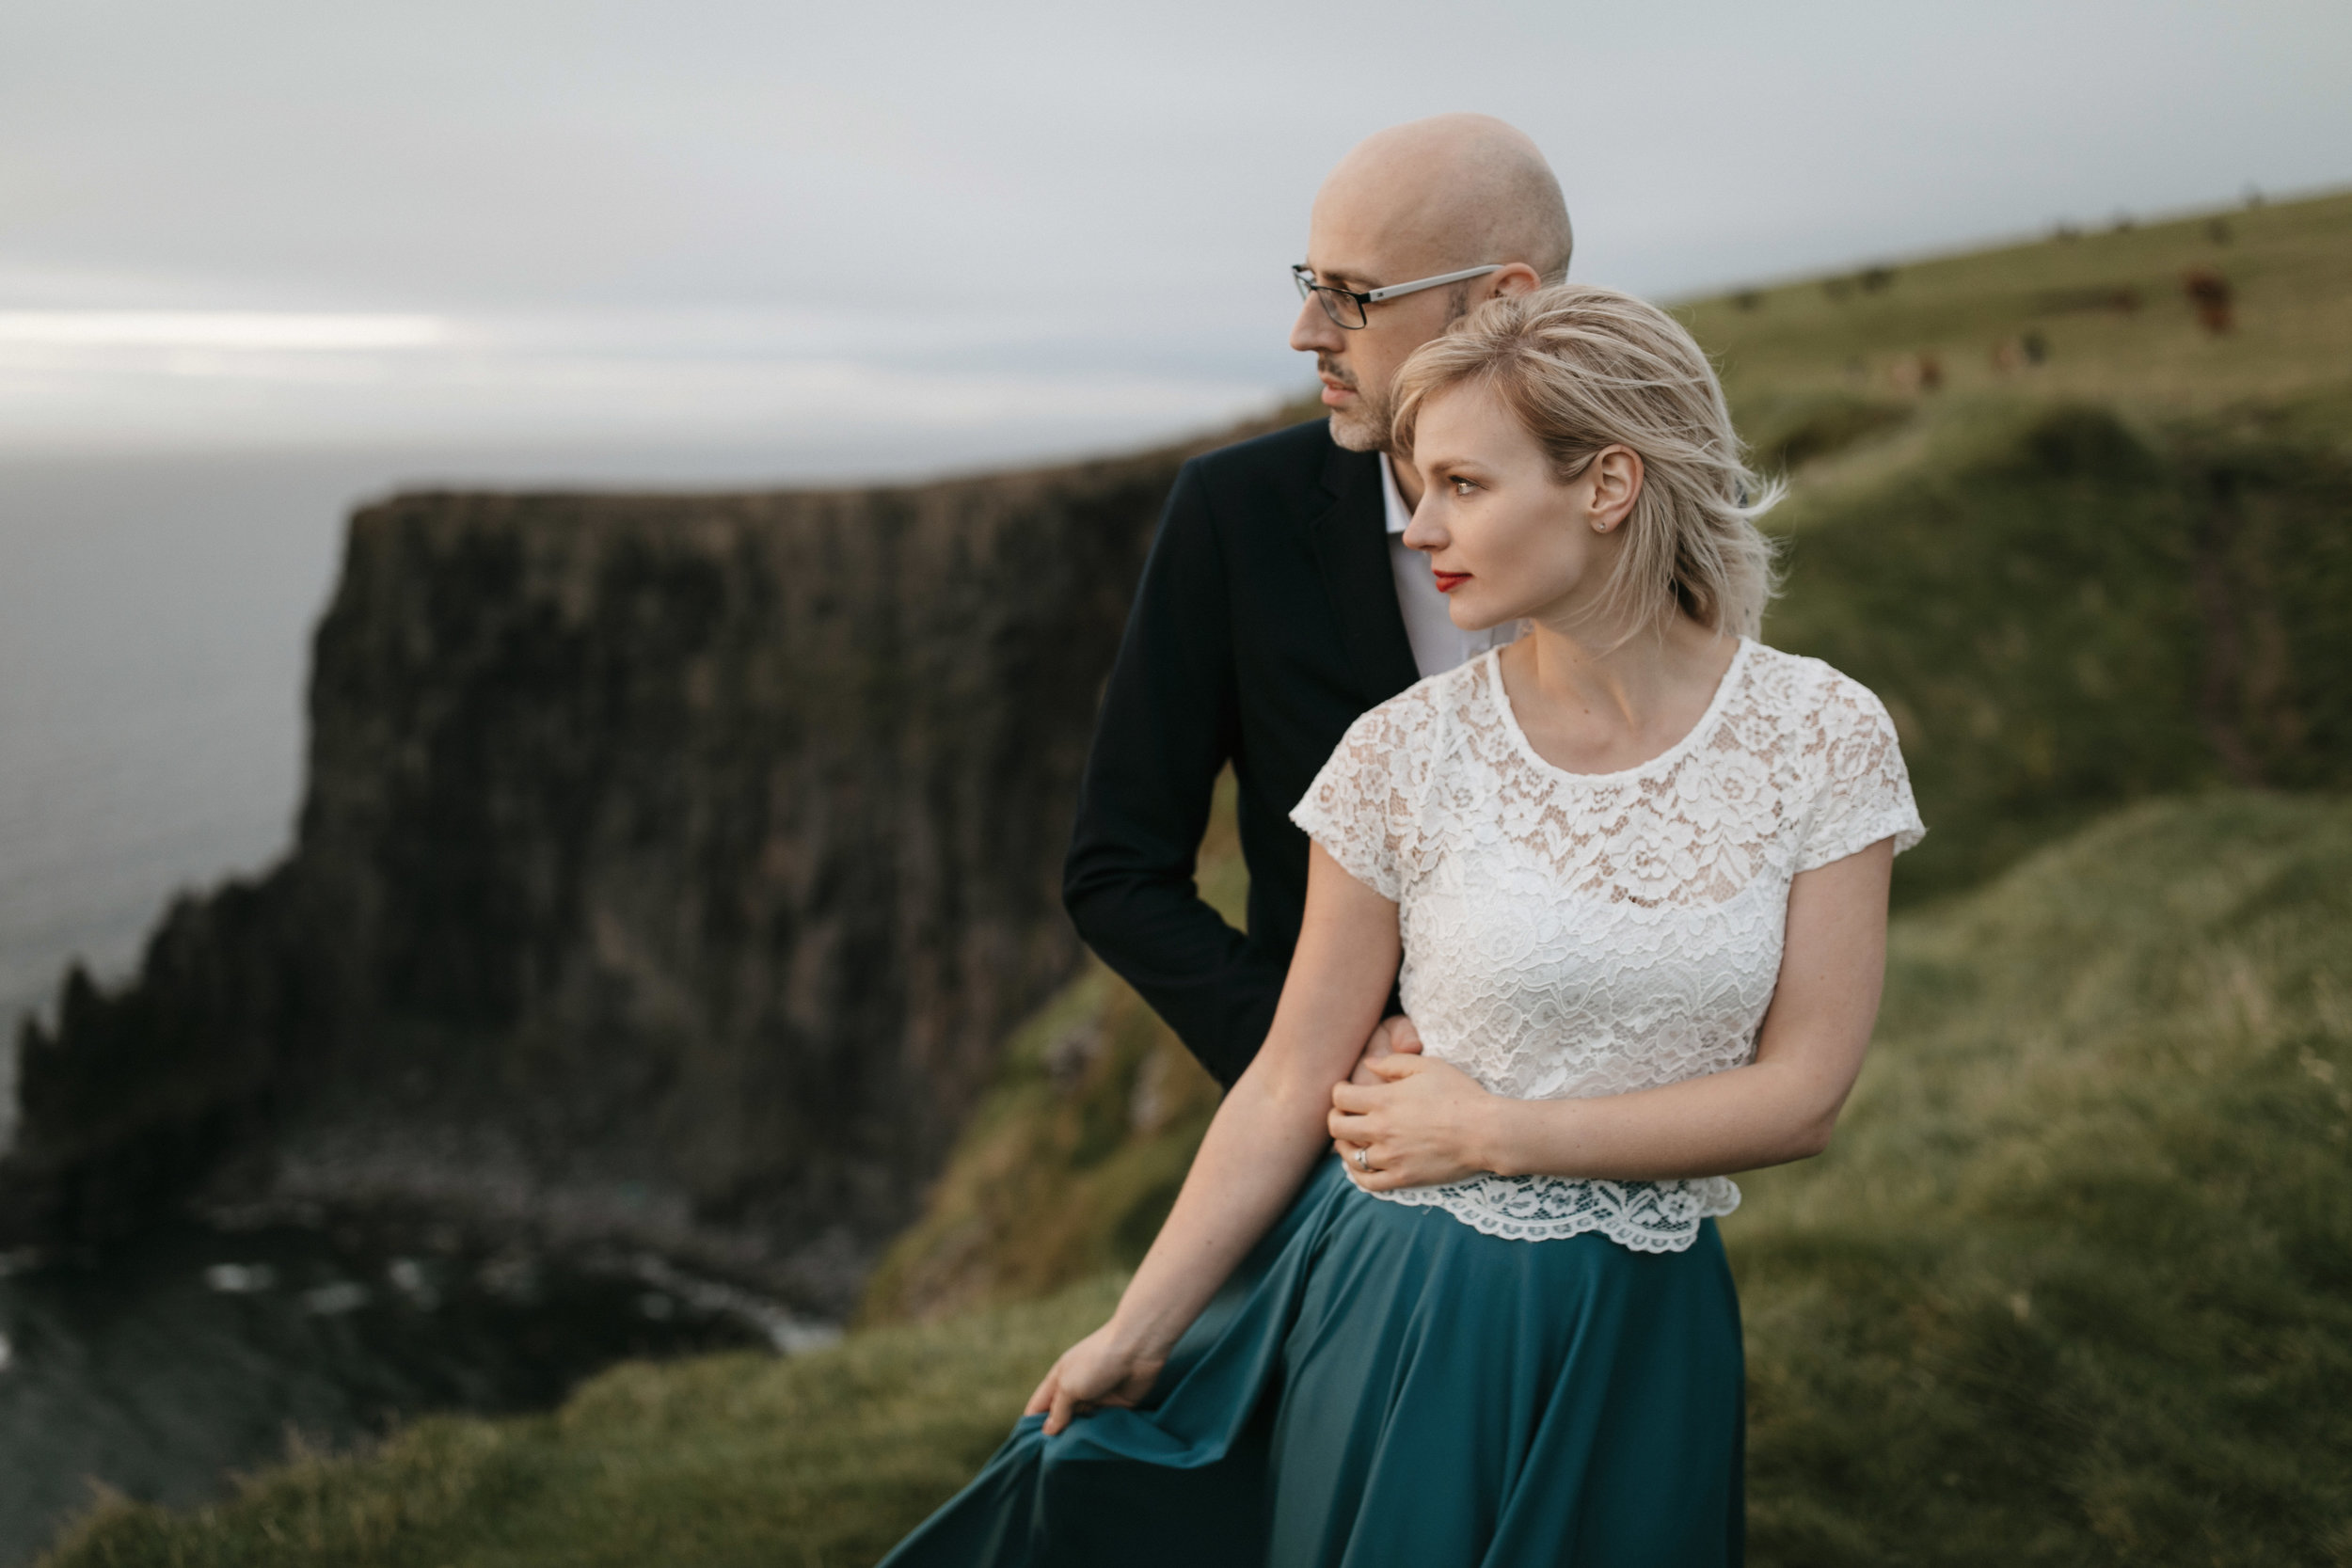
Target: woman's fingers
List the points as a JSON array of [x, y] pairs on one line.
[[1042, 1400], [1355, 1097], [1064, 1410]]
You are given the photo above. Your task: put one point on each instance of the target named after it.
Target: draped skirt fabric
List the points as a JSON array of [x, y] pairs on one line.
[[1382, 1387]]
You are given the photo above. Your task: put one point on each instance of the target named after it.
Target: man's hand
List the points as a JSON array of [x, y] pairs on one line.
[[1425, 1123], [1395, 1037]]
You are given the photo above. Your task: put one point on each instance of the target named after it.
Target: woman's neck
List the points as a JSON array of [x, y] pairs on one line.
[[1594, 703]]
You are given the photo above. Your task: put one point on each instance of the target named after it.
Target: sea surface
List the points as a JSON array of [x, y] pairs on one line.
[[160, 1371], [156, 616]]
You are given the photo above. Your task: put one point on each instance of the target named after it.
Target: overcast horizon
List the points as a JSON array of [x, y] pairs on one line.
[[716, 227]]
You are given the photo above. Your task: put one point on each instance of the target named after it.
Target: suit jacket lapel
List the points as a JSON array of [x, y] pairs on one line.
[[1351, 546]]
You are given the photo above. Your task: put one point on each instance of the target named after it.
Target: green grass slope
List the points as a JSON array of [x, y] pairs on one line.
[[2074, 1284], [1070, 1164], [2065, 613], [2121, 571], [2111, 309]]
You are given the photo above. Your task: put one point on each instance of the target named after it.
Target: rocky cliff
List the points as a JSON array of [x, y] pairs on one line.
[[670, 870]]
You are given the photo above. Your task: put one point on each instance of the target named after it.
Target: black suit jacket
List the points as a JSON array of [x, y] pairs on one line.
[[1265, 623]]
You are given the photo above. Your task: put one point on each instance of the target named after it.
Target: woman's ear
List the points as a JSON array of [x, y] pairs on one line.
[[1615, 477]]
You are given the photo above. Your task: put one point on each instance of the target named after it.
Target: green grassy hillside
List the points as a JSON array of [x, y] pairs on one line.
[[1075, 1155], [2122, 571], [2112, 311], [2075, 1286], [2066, 612]]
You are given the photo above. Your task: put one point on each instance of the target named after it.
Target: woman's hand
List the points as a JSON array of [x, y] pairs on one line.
[[1424, 1122], [1096, 1372]]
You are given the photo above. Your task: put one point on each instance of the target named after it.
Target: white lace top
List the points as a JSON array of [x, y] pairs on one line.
[[1583, 934]]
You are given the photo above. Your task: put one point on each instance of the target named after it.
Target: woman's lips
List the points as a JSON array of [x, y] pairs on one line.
[[1449, 581]]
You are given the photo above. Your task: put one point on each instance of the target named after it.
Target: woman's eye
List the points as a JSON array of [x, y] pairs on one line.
[[1461, 486]]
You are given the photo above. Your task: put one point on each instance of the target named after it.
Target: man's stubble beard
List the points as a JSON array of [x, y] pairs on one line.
[[1364, 427]]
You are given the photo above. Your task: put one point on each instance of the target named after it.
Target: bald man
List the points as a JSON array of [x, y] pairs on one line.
[[1279, 601]]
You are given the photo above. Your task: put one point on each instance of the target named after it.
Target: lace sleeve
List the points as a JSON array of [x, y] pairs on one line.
[[1360, 806], [1865, 792]]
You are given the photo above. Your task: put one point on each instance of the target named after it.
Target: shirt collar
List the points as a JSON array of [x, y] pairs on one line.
[[1399, 518]]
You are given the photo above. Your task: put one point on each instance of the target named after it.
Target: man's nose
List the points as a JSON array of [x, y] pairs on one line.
[[1314, 332]]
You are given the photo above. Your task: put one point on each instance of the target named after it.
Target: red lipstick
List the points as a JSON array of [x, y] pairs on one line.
[[1449, 581]]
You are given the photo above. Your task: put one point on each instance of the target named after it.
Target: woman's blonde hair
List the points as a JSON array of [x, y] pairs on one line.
[[1586, 367]]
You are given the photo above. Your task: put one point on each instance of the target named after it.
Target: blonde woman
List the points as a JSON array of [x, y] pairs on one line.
[[1634, 865]]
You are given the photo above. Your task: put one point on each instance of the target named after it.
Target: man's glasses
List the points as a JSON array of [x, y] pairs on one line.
[[1346, 307]]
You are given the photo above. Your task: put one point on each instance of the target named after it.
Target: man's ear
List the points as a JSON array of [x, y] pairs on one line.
[[1516, 279]]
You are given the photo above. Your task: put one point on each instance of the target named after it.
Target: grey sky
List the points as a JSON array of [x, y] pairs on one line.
[[700, 219]]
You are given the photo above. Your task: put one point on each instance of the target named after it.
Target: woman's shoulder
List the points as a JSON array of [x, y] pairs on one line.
[[1797, 690], [1844, 749]]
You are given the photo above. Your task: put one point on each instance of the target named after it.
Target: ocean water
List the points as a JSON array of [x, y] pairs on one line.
[[154, 613], [158, 1371]]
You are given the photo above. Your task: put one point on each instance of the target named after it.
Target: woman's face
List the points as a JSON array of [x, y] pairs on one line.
[[1505, 540]]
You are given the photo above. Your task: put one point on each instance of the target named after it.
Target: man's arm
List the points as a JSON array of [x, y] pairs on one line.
[[1167, 727]]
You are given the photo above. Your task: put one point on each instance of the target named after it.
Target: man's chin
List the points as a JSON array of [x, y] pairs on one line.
[[1356, 431]]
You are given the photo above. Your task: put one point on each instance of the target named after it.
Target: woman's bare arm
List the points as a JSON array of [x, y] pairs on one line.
[[1265, 1137], [1430, 1123]]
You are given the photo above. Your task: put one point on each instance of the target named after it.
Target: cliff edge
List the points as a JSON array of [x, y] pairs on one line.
[[669, 872]]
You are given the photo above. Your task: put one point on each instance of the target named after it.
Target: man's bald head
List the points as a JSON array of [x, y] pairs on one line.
[[1415, 201], [1449, 192]]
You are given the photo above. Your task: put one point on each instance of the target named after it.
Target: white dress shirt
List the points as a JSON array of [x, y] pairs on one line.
[[1439, 644]]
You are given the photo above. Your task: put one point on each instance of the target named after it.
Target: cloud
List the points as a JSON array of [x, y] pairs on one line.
[[230, 378], [233, 330], [1043, 203]]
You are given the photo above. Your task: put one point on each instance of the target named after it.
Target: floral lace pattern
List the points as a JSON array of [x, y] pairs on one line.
[[1571, 935]]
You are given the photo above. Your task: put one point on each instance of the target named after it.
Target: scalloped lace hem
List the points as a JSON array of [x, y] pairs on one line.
[[1643, 1216]]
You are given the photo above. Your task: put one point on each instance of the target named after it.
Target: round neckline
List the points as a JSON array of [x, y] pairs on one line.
[[1690, 738]]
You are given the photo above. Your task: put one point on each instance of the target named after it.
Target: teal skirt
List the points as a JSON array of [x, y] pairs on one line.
[[1380, 1385]]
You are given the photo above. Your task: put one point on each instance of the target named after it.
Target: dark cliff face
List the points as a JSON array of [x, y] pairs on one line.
[[670, 870]]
